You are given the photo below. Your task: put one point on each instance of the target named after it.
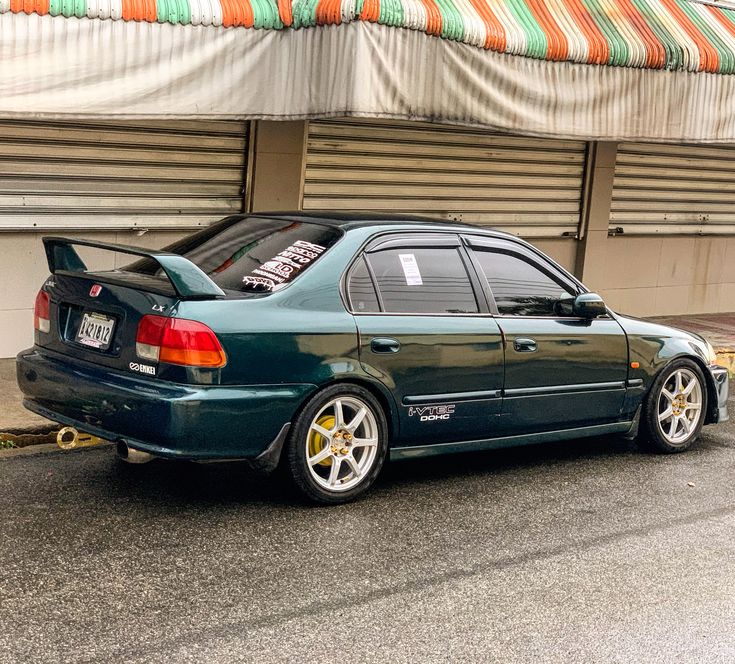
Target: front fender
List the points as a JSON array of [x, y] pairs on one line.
[[653, 347]]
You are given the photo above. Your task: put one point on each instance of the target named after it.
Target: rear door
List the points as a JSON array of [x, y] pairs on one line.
[[560, 372], [428, 337]]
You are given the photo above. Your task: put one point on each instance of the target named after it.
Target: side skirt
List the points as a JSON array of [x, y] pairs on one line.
[[509, 441]]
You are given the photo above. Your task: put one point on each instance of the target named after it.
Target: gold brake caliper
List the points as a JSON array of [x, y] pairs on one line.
[[317, 442]]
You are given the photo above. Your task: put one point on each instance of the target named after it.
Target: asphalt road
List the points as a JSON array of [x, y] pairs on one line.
[[585, 551]]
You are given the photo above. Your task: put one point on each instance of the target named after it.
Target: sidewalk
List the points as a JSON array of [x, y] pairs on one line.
[[719, 329], [13, 417]]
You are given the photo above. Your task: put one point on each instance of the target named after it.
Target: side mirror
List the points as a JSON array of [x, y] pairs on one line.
[[589, 305], [586, 305]]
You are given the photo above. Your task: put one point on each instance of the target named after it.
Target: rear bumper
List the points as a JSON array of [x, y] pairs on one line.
[[722, 388], [166, 419]]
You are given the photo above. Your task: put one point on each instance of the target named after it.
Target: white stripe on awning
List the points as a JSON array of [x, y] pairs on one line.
[[58, 68]]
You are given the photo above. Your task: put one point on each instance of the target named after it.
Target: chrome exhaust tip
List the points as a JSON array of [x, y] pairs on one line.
[[131, 455]]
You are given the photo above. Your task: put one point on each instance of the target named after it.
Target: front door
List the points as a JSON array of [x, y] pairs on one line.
[[424, 334], [560, 372]]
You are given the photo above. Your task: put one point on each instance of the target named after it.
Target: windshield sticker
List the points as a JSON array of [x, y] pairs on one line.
[[283, 267], [411, 270]]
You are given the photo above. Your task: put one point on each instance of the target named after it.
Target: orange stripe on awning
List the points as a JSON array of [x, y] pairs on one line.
[[285, 12], [495, 38], [655, 51], [709, 59], [29, 6], [558, 47], [433, 18], [723, 20], [139, 10], [370, 11], [329, 12], [237, 13], [599, 48]]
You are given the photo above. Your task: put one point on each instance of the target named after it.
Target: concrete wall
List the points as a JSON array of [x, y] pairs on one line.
[[657, 276], [645, 275], [23, 270], [563, 251]]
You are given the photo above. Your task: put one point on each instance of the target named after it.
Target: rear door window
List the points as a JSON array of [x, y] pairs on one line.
[[251, 254], [361, 289], [423, 280]]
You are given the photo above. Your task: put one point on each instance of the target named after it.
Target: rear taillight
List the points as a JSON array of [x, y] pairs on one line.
[[41, 312], [178, 341]]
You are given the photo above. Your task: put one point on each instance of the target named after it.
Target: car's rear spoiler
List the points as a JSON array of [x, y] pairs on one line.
[[187, 279]]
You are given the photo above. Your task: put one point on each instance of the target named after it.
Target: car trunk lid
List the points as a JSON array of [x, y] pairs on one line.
[[94, 316]]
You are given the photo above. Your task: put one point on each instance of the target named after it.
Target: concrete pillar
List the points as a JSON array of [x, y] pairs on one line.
[[591, 249], [278, 166]]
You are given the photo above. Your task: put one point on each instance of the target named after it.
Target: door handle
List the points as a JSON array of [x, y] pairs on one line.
[[385, 345], [525, 345]]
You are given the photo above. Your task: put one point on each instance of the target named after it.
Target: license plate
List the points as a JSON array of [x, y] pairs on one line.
[[96, 331]]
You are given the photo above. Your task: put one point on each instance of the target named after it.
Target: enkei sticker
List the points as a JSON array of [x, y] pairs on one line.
[[432, 413], [142, 368]]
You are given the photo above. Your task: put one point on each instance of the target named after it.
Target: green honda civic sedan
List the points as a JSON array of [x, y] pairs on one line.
[[325, 343]]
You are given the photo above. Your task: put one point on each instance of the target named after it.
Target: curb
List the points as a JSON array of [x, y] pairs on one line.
[[45, 448], [38, 430], [30, 437]]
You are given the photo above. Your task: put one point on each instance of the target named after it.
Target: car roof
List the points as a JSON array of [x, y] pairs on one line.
[[349, 220]]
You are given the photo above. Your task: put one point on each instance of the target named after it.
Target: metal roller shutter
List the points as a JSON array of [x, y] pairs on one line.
[[528, 186], [121, 174], [673, 189]]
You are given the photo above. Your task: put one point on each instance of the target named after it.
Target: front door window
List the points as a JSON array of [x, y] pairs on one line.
[[519, 287]]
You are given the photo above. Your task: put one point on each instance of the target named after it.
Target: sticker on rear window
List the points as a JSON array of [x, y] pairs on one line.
[[411, 270], [283, 267]]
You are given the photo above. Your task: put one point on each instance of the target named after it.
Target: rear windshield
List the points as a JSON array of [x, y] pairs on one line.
[[252, 254]]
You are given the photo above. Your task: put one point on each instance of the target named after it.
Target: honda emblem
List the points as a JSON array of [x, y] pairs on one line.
[[95, 290]]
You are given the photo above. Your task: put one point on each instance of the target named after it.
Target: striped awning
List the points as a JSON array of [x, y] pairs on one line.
[[677, 35]]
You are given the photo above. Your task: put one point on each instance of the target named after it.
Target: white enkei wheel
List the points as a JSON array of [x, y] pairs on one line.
[[342, 443], [679, 406], [337, 444], [674, 409]]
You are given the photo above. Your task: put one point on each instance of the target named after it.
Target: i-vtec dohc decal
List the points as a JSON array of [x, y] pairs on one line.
[[142, 368], [431, 413]]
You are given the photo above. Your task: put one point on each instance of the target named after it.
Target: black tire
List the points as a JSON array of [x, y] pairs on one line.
[[300, 440], [653, 435]]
